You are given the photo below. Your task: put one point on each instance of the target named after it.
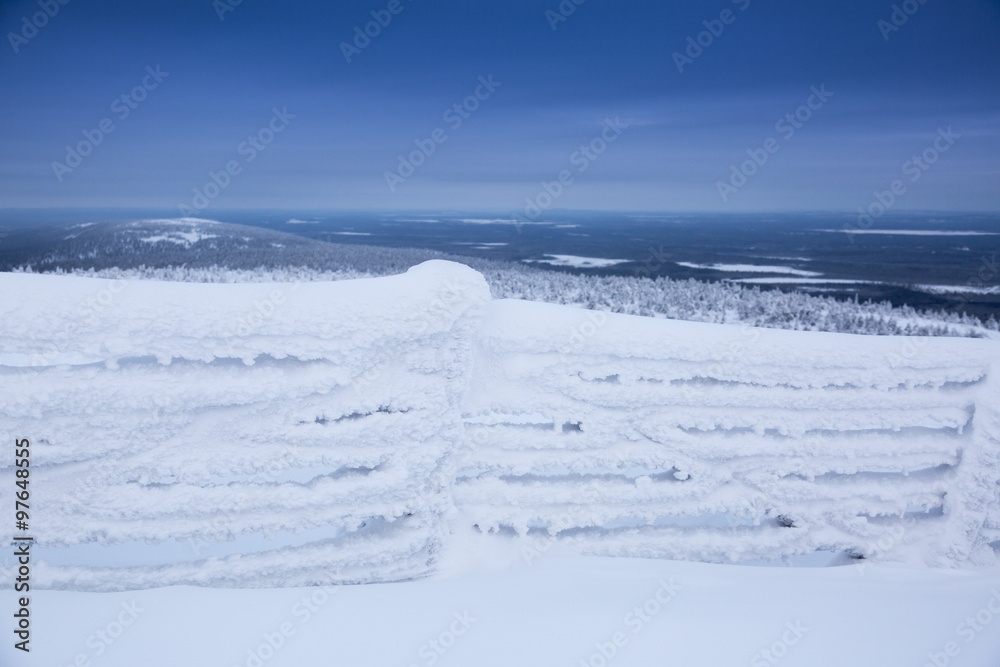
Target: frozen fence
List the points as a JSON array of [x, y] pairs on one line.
[[315, 414], [278, 434], [641, 437]]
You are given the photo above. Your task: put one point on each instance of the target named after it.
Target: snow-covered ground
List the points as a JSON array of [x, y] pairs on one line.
[[751, 268], [802, 281], [577, 262], [557, 611], [958, 289], [485, 457]]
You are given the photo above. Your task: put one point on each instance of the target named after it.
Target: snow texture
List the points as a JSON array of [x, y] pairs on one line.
[[362, 424]]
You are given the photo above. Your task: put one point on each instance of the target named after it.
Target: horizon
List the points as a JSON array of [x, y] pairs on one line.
[[14, 218]]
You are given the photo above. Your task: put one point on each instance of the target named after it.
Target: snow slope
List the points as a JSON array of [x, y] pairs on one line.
[[354, 431]]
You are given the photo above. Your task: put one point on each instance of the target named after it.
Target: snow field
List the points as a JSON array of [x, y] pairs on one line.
[[558, 611]]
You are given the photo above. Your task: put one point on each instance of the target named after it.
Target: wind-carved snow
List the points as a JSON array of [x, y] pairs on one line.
[[346, 432], [578, 262], [750, 268]]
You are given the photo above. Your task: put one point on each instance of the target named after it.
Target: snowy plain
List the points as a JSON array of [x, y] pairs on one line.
[[464, 458]]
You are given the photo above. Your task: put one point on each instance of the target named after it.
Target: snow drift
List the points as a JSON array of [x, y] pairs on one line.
[[346, 432]]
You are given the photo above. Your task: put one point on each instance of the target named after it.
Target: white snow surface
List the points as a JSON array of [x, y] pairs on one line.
[[803, 281], [958, 289], [186, 239], [556, 611], [178, 221], [355, 431], [750, 268], [578, 262]]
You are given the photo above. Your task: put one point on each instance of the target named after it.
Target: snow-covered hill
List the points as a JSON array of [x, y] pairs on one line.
[[355, 431]]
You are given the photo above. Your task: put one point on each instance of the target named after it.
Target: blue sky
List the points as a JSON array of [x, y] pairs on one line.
[[343, 125]]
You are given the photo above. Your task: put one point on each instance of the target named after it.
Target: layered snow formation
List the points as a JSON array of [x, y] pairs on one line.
[[201, 413], [628, 436], [354, 431]]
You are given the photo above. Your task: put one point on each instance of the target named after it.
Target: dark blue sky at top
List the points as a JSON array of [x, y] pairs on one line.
[[608, 59]]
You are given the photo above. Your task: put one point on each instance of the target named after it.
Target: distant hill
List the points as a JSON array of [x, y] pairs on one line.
[[192, 243]]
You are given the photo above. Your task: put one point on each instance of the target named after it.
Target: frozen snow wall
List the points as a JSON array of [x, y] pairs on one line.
[[282, 434], [206, 418], [621, 435]]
